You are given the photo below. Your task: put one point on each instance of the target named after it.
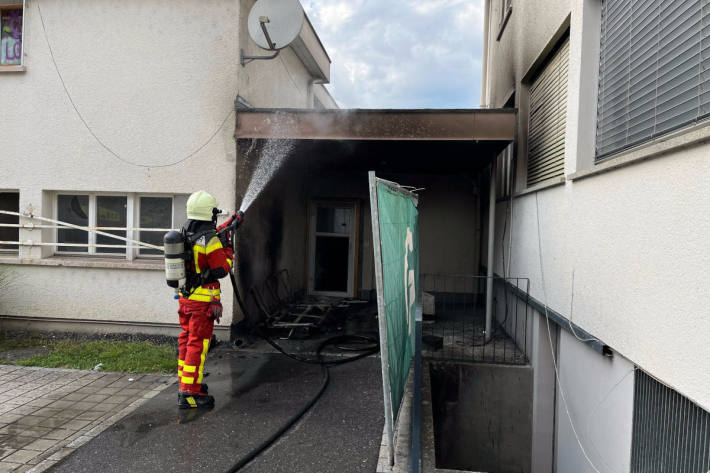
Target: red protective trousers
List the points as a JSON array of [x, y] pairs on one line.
[[194, 341]]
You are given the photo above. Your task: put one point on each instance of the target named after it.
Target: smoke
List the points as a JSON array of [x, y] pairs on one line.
[[271, 156]]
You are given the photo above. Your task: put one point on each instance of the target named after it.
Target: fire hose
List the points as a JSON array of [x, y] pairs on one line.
[[319, 360]]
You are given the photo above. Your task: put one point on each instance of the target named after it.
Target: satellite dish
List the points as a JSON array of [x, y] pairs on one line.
[[274, 24]]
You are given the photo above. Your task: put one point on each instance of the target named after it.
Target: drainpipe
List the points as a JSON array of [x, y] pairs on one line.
[[310, 93], [486, 30], [491, 254]]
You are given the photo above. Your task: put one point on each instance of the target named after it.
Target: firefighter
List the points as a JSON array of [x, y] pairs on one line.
[[209, 259]]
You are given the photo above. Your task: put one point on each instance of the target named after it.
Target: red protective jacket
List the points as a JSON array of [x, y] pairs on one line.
[[208, 253]]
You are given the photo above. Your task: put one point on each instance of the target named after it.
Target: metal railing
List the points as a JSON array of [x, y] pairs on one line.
[[455, 331], [58, 224]]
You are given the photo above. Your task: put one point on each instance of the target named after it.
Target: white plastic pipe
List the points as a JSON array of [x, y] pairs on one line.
[[491, 254]]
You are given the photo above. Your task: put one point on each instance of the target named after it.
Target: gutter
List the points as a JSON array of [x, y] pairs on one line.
[[562, 321]]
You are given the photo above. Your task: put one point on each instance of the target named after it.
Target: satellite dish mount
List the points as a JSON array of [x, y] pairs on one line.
[[244, 59], [284, 19]]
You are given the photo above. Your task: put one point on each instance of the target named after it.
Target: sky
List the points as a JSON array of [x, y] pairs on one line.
[[401, 53]]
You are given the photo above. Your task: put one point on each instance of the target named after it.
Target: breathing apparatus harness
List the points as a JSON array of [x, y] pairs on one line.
[[180, 271]]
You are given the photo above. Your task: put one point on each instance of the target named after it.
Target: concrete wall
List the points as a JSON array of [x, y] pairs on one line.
[[322, 94], [155, 81], [449, 225], [57, 291], [600, 395], [282, 82], [542, 348], [631, 236], [482, 417], [274, 234], [520, 43]]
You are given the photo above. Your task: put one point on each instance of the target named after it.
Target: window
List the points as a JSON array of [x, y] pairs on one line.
[[149, 216], [654, 71], [11, 34], [155, 212], [504, 164], [506, 8], [73, 209], [548, 118], [9, 201]]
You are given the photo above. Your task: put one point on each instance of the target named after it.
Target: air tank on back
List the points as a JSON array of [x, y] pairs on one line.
[[174, 248]]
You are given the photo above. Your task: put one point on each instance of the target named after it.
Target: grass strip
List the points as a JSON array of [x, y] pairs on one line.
[[24, 342], [135, 357]]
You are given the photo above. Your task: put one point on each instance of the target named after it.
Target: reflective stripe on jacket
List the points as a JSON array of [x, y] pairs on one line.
[[209, 254]]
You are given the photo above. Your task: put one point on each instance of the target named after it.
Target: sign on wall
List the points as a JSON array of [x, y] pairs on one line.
[[396, 246], [10, 36]]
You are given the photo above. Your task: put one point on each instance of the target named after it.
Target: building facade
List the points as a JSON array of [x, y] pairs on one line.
[[112, 120], [602, 205]]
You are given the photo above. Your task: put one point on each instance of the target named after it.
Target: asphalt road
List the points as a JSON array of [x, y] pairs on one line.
[[255, 394]]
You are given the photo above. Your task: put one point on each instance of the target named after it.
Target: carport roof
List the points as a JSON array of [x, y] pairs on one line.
[[492, 125]]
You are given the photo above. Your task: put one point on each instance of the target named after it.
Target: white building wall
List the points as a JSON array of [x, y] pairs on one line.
[[624, 246], [633, 237], [599, 395], [156, 82]]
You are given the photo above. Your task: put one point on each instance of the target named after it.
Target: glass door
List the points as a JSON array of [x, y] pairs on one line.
[[332, 235]]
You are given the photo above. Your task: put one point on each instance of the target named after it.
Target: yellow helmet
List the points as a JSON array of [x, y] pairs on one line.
[[200, 205]]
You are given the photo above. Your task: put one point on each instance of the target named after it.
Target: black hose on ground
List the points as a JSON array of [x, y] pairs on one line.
[[370, 349]]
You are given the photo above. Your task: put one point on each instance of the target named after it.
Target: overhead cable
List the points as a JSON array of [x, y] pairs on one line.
[[552, 348], [96, 137]]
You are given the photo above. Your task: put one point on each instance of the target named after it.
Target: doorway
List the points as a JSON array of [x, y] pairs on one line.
[[332, 247]]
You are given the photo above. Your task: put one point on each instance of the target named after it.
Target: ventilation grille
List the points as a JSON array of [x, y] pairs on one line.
[[671, 433]]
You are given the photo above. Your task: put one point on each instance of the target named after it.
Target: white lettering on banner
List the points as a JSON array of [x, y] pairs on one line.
[[410, 291]]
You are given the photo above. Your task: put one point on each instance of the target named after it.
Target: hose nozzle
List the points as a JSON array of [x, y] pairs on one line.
[[232, 224]]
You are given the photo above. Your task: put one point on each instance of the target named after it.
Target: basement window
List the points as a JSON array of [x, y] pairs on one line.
[[139, 217], [9, 201], [11, 23]]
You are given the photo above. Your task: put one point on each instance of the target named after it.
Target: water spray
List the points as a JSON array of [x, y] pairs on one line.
[[271, 157]]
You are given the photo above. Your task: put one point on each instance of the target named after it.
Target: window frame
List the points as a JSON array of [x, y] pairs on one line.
[[22, 7], [93, 217], [506, 9], [132, 221], [137, 220], [602, 156], [12, 251]]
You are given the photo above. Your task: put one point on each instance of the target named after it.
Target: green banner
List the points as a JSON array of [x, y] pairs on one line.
[[399, 242]]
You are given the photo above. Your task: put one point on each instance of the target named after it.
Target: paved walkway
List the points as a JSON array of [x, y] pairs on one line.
[[255, 393], [46, 413]]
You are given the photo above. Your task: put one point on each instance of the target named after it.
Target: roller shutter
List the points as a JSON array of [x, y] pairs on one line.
[[548, 119]]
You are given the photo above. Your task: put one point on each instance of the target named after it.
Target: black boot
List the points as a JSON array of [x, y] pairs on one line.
[[204, 389], [192, 401]]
